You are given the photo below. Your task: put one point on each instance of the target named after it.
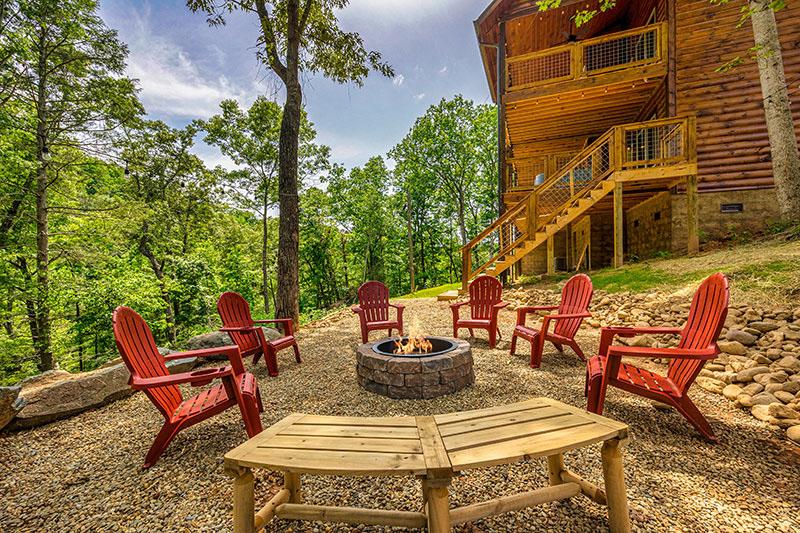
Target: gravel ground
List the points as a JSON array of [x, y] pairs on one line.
[[84, 474]]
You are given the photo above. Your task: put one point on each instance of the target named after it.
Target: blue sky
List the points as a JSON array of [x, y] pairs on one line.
[[185, 68]]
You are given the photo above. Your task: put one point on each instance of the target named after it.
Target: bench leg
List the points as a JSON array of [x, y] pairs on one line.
[[243, 505], [438, 508], [291, 482], [614, 477], [555, 465]]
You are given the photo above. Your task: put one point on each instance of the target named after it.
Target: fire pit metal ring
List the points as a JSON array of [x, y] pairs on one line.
[[417, 375]]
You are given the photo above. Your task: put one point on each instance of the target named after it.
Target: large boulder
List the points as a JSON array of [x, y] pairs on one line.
[[217, 339], [58, 394], [10, 404]]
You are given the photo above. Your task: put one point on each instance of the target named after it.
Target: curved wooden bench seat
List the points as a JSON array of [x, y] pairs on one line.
[[434, 449]]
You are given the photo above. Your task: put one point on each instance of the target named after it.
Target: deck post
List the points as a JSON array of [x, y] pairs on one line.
[[244, 511], [692, 226], [551, 260], [618, 228], [614, 477], [291, 482]]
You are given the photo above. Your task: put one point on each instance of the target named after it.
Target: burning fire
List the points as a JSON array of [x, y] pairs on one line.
[[416, 342]]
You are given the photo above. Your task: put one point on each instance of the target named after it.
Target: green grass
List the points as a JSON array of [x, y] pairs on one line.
[[431, 292], [767, 272]]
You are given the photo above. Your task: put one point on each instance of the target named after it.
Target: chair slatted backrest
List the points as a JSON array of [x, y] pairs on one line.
[[139, 352], [373, 298], [235, 313], [706, 319], [575, 298], [484, 292]]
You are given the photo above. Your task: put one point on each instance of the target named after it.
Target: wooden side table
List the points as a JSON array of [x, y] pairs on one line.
[[433, 449]]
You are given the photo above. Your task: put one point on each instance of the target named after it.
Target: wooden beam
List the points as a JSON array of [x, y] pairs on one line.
[[672, 83], [351, 515], [439, 519], [265, 514], [515, 502], [551, 260], [590, 490], [692, 223], [501, 117], [618, 225], [657, 173]]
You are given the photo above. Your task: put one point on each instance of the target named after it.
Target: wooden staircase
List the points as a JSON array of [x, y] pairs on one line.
[[618, 155]]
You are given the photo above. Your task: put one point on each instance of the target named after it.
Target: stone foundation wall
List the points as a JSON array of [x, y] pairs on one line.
[[759, 207], [649, 227]]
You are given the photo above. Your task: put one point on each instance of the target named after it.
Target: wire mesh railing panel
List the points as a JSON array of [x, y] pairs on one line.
[[627, 49], [526, 173], [655, 145], [540, 68], [504, 235]]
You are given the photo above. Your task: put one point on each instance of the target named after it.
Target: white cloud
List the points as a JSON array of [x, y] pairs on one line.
[[172, 85], [398, 80], [443, 70], [419, 96]]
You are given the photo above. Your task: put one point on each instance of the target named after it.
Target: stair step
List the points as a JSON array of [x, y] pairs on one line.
[[448, 296]]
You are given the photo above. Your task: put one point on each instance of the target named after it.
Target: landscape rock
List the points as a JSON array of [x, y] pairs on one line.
[[785, 397], [763, 398], [58, 394], [763, 327], [749, 374], [10, 404], [794, 433], [710, 384], [217, 339], [778, 410], [789, 363], [732, 392], [761, 412], [753, 388], [741, 337], [732, 347]]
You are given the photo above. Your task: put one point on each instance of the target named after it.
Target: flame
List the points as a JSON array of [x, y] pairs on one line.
[[417, 342]]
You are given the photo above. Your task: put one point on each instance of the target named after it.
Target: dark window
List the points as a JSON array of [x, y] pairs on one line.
[[635, 223], [731, 208], [657, 216]]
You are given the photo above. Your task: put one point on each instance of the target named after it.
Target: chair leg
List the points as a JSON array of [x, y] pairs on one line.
[[492, 337], [389, 332], [513, 343], [455, 331], [272, 362], [257, 356], [559, 347], [364, 335], [471, 333], [296, 352], [689, 410], [595, 390], [537, 347], [164, 437], [259, 403], [252, 420], [577, 350]]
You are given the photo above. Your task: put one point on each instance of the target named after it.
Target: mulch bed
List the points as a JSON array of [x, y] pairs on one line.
[[84, 473]]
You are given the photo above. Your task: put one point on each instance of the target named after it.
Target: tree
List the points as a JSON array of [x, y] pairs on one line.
[[777, 106], [251, 139], [297, 39], [172, 189], [69, 93], [451, 141]]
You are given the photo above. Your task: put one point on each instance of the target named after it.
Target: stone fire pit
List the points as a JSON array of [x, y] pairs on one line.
[[415, 376]]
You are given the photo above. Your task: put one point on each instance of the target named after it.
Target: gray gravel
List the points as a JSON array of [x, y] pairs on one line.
[[84, 474]]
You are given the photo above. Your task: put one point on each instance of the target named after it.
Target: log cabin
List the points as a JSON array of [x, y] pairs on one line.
[[623, 138]]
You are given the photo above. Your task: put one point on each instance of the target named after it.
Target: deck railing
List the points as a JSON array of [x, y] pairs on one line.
[[584, 59], [642, 146]]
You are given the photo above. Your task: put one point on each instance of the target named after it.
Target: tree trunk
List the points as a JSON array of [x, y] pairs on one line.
[[264, 247], [462, 224], [158, 270], [410, 242], [288, 305], [344, 263], [780, 125], [8, 319], [41, 345]]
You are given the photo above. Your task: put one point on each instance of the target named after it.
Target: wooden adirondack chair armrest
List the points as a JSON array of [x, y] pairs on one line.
[[205, 352], [288, 324], [197, 378], [534, 308], [500, 305], [671, 353], [357, 309], [235, 329], [608, 333], [567, 316], [397, 306], [456, 305]]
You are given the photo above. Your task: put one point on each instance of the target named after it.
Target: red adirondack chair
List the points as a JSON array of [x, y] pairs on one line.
[[574, 307], [238, 323], [373, 310], [698, 344], [149, 374], [485, 302]]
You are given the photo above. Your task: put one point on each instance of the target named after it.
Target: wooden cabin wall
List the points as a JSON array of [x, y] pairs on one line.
[[732, 142]]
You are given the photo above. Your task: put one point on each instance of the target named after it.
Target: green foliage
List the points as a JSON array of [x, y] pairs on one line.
[[431, 292]]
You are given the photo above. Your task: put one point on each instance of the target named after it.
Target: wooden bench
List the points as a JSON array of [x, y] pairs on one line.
[[434, 449]]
